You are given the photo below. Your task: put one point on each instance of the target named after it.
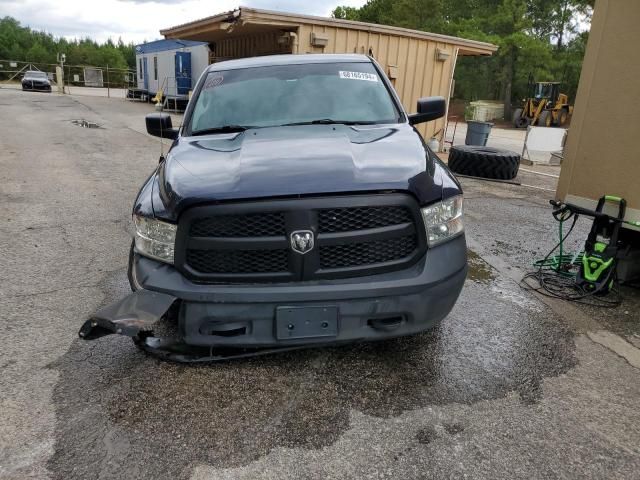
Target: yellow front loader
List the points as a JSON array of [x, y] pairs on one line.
[[546, 107]]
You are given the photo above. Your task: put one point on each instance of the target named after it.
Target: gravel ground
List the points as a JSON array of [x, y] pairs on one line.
[[509, 386]]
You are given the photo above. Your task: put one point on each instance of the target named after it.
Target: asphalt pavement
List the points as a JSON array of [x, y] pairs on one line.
[[509, 386]]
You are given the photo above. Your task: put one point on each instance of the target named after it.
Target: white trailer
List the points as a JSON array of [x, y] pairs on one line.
[[171, 65]]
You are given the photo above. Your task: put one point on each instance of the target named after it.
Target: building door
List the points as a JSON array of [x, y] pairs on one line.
[[145, 73], [140, 75], [183, 72]]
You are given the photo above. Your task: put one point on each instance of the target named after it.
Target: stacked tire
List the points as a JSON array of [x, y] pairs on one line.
[[484, 162]]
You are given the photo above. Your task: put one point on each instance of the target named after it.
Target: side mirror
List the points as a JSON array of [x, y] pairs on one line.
[[429, 108], [159, 125]]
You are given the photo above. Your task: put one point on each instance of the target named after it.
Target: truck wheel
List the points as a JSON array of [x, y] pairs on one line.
[[562, 117], [545, 119], [518, 121], [485, 162]]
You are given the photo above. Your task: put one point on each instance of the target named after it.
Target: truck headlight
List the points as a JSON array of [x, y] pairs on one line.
[[154, 238], [443, 220]]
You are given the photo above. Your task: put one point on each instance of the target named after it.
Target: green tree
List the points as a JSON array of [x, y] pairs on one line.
[[128, 51], [544, 39], [24, 44], [37, 54], [346, 13]]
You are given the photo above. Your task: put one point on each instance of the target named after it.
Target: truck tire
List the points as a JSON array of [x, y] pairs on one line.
[[485, 162], [545, 119], [563, 116], [518, 120]]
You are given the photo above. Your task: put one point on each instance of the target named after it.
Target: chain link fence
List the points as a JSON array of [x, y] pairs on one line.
[[78, 79]]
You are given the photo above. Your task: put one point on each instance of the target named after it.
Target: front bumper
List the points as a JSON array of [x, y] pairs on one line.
[[369, 308], [44, 87]]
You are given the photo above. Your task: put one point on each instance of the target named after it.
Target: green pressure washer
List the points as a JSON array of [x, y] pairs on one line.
[[587, 276], [596, 271], [598, 266]]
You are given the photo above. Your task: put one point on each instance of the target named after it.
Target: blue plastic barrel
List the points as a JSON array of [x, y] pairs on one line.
[[477, 133]]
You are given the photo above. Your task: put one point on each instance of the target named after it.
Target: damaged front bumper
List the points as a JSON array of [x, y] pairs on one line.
[[136, 315], [133, 316], [210, 322]]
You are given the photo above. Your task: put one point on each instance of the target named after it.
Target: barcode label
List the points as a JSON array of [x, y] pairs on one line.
[[370, 77]]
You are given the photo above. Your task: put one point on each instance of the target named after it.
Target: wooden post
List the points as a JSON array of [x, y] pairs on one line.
[[108, 91], [59, 79]]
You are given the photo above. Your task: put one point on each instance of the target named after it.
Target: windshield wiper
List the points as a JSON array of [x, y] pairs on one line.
[[223, 129], [330, 121]]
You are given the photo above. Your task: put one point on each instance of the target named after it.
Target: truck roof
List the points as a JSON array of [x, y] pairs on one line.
[[288, 59]]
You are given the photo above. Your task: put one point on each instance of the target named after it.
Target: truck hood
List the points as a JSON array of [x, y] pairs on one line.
[[298, 160]]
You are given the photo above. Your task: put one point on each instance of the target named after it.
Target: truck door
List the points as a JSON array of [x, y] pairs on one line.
[[183, 72]]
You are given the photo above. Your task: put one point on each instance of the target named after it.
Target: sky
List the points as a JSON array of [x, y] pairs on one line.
[[139, 20]]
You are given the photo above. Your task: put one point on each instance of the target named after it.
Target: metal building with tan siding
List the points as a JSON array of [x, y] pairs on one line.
[[601, 155], [418, 63]]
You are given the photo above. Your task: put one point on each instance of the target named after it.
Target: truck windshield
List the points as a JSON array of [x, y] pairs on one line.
[[36, 74], [351, 93]]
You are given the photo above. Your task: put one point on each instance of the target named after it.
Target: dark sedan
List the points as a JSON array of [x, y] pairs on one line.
[[35, 80]]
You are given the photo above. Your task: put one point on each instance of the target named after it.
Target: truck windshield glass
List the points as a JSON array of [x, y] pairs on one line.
[[320, 93], [36, 74]]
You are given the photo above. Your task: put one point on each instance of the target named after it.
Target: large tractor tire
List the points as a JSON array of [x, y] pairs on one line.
[[518, 120], [563, 116], [545, 119], [485, 162]]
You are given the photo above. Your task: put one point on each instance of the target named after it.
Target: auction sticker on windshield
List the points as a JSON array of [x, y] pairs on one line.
[[358, 76], [213, 81]]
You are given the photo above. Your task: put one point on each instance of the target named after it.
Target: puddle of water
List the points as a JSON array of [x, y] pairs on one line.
[[482, 273], [85, 123], [426, 435], [479, 270], [453, 428], [504, 289], [171, 417]]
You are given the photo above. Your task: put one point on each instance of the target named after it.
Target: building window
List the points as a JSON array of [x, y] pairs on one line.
[[155, 68], [140, 62]]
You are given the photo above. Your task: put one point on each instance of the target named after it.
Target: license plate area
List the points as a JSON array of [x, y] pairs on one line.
[[306, 322]]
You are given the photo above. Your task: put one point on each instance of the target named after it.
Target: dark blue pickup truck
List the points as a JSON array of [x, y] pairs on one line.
[[297, 205]]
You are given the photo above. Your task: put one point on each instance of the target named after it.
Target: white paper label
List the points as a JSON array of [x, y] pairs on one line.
[[370, 77]]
